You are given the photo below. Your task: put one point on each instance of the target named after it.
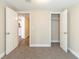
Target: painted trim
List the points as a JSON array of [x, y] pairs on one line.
[[2, 55], [74, 53], [55, 12], [30, 30], [40, 45]]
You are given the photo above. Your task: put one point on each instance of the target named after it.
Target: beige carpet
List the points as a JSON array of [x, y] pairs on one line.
[[54, 52]]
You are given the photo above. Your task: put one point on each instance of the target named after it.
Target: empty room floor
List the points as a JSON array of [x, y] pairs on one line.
[[54, 52]]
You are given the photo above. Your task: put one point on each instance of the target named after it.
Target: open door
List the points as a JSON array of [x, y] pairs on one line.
[[63, 30], [11, 30]]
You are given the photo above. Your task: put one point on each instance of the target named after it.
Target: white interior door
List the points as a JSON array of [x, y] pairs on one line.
[[11, 30], [63, 30]]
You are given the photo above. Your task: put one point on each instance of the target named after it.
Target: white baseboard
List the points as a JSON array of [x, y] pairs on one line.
[[2, 55], [54, 41], [40, 45], [74, 53]]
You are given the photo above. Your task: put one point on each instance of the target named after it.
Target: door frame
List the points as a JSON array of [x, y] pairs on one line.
[[50, 22], [29, 24]]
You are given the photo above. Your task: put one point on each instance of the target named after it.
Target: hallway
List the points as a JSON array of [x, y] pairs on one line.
[[24, 42], [54, 52]]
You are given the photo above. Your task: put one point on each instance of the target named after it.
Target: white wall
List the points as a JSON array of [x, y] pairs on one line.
[[74, 29], [40, 28], [2, 30]]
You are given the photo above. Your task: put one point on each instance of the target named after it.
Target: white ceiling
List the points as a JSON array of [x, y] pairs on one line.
[[56, 5]]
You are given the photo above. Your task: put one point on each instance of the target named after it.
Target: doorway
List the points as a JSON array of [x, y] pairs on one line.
[[59, 30], [23, 29], [55, 29]]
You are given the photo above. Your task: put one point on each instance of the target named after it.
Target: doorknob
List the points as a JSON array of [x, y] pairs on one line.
[[7, 33]]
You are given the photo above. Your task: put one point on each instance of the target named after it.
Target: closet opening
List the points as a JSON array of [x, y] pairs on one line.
[[55, 29]]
